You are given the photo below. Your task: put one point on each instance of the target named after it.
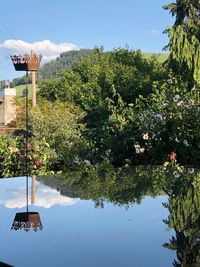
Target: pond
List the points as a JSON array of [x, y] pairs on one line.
[[140, 218]]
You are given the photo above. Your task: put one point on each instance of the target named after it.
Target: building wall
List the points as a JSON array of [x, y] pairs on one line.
[[8, 106], [1, 110]]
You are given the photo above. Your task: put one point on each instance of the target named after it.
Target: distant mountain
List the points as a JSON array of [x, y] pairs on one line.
[[65, 61]]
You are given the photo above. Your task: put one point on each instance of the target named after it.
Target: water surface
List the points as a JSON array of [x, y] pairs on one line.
[[86, 230]]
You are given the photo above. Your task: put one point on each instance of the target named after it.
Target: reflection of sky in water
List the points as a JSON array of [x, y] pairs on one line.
[[81, 235], [46, 197]]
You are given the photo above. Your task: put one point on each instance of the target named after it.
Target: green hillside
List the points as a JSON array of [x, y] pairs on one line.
[[20, 90], [64, 61], [162, 57]]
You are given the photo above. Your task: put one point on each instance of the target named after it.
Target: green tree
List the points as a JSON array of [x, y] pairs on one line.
[[184, 218], [184, 38], [60, 125]]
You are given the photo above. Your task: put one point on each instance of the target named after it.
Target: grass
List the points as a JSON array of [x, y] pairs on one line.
[[160, 56], [20, 89]]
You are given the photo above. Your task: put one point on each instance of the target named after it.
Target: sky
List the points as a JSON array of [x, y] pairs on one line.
[[51, 27]]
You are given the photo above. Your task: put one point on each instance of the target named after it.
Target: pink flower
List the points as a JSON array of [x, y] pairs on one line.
[[172, 156]]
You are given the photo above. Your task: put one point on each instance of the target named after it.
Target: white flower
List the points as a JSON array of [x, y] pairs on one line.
[[141, 118], [139, 149], [185, 142], [170, 81], [180, 169], [176, 98], [146, 136], [191, 170], [127, 161], [142, 150], [179, 103], [193, 88], [176, 174], [159, 116], [87, 162]]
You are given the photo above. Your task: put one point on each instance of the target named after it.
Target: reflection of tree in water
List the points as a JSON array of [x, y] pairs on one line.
[[126, 186], [105, 184], [184, 218]]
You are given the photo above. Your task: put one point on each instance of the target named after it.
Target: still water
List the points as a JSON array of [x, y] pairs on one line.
[[80, 228]]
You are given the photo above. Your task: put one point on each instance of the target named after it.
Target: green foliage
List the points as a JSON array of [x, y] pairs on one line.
[[145, 132], [128, 97], [184, 38], [92, 78], [60, 125], [63, 88], [103, 183], [184, 217], [118, 107], [170, 116], [63, 62], [13, 157], [20, 81]]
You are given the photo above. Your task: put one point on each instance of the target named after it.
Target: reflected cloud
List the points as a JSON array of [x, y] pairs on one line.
[[46, 197]]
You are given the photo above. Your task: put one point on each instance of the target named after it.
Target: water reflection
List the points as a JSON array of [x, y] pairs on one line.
[[125, 187], [3, 264], [26, 221], [117, 186], [12, 195], [184, 218], [29, 219]]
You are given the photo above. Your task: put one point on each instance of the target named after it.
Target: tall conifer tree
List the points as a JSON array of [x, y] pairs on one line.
[[184, 38]]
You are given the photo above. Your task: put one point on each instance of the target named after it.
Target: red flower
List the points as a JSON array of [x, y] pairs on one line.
[[172, 156]]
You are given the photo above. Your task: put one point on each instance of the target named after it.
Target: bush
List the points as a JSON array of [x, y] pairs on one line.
[[13, 158], [60, 125]]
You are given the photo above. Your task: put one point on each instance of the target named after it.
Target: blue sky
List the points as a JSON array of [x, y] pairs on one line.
[[74, 24]]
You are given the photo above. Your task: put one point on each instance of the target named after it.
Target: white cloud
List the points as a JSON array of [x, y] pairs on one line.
[[155, 33], [46, 48]]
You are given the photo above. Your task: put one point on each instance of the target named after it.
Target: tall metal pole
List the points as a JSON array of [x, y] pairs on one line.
[[33, 88], [26, 141]]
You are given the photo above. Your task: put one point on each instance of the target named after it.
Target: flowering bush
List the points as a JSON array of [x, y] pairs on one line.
[[170, 116], [13, 158]]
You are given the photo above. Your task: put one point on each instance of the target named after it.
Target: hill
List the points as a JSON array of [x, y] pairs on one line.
[[64, 61], [20, 90], [162, 57]]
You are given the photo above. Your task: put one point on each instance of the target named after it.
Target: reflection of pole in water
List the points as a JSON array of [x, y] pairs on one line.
[[33, 189], [29, 219]]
